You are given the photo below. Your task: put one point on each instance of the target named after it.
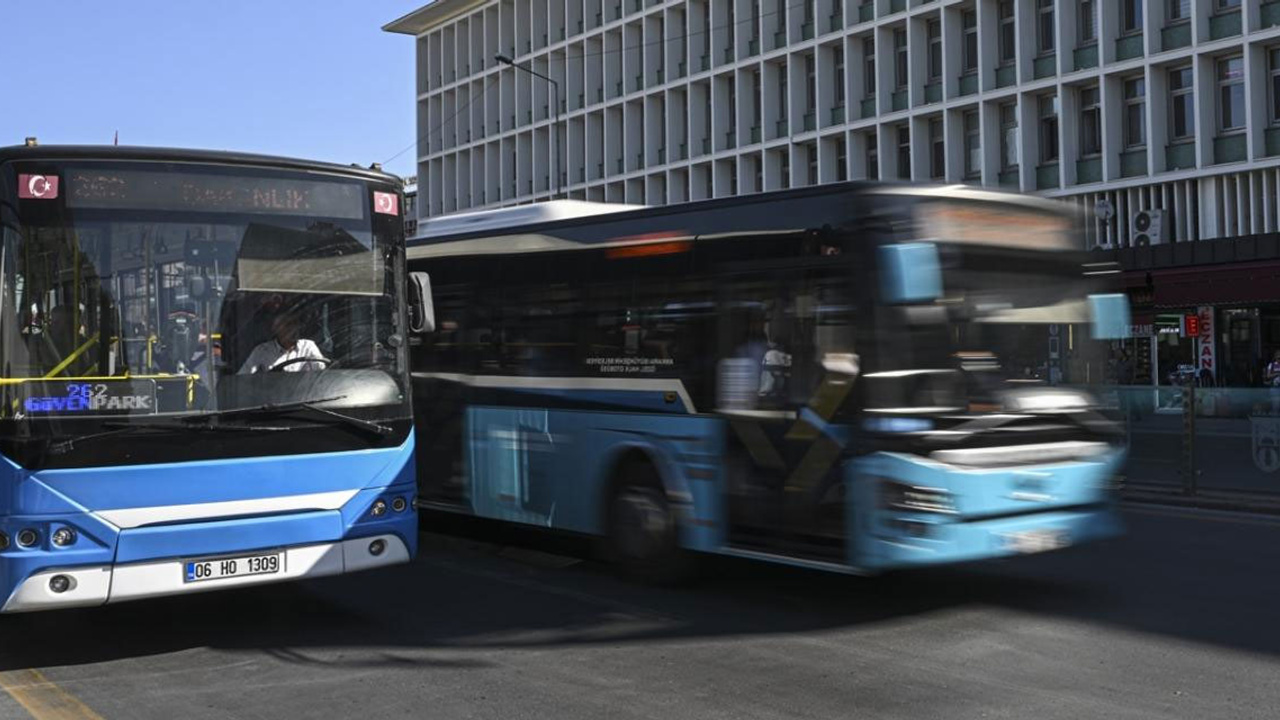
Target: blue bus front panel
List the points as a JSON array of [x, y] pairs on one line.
[[972, 514], [322, 514]]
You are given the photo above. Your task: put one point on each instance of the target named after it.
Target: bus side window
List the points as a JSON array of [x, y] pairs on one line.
[[784, 326], [648, 318]]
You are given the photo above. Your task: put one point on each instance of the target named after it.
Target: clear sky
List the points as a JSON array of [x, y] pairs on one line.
[[317, 80]]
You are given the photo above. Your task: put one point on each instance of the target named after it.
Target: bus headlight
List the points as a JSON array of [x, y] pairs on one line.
[[4, 541], [915, 498], [28, 537], [379, 508], [1047, 401], [63, 536]]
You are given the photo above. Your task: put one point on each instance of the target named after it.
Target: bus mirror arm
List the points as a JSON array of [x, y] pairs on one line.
[[422, 312]]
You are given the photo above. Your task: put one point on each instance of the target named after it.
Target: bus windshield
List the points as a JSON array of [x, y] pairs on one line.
[[134, 290], [1008, 318]]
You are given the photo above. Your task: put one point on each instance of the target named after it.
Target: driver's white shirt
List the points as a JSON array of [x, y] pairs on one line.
[[270, 354]]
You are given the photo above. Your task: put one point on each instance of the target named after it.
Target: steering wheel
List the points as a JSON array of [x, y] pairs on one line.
[[294, 361]]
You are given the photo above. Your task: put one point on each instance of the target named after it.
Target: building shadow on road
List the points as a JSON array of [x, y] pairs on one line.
[[461, 600]]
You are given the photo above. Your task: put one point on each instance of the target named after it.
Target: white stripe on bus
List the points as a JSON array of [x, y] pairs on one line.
[[137, 517], [521, 382]]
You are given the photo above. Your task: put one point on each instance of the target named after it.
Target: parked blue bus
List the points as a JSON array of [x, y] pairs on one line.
[[205, 380], [854, 377]]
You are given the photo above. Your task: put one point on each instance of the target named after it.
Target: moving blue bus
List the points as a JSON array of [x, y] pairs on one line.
[[205, 379], [853, 377]]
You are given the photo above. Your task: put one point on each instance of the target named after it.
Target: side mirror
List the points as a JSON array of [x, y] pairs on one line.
[[910, 272], [422, 311], [1109, 315]]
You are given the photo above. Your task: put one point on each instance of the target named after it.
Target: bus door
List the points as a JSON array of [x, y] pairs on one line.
[[785, 376]]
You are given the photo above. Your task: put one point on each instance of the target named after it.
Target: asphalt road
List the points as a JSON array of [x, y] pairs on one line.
[[1177, 619]]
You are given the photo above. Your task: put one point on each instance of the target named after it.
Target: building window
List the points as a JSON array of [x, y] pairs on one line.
[[783, 81], [1046, 27], [969, 23], [972, 145], [1274, 57], [1179, 10], [869, 66], [812, 151], [1182, 101], [934, 30], [1228, 4], [900, 58], [937, 150], [1049, 128], [1135, 112], [1231, 94], [730, 28], [810, 77], [904, 152], [1090, 122], [838, 57], [1008, 33], [1131, 16], [1009, 136], [756, 91], [842, 159], [1088, 22], [873, 157]]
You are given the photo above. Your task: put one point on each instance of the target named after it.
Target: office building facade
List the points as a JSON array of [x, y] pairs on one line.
[[1160, 119]]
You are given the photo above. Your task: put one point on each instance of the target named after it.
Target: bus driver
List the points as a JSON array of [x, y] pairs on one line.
[[285, 350]]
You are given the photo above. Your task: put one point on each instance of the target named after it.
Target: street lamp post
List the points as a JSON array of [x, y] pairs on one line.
[[556, 103]]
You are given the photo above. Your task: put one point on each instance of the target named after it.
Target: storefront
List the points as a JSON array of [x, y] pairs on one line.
[[1215, 325]]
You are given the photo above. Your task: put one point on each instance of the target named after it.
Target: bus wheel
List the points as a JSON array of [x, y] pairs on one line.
[[643, 538]]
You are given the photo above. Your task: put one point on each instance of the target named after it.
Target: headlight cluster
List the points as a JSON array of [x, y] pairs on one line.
[[381, 506], [914, 498]]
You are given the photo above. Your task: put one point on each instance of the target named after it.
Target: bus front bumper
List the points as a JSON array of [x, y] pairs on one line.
[[921, 543], [87, 586]]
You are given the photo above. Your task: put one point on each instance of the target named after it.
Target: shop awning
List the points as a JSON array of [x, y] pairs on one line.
[[1251, 283]]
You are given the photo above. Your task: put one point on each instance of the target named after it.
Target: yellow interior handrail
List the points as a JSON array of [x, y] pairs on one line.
[[72, 357]]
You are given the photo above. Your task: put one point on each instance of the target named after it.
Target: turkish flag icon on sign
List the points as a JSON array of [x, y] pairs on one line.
[[38, 187], [386, 203]]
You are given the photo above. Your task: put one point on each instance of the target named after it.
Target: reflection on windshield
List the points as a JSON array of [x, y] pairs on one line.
[[127, 313], [996, 329]]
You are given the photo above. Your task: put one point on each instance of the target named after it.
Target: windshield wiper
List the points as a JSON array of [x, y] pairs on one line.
[[310, 405], [130, 428], [207, 422]]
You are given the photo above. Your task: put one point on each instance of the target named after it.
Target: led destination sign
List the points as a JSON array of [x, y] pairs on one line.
[[90, 398], [202, 192]]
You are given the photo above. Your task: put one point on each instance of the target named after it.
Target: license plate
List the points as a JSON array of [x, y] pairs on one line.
[[1034, 541], [228, 567]]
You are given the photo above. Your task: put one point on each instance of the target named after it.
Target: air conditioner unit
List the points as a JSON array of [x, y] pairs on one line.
[[1147, 228]]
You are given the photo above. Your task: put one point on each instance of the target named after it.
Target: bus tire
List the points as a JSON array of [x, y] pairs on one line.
[[642, 534]]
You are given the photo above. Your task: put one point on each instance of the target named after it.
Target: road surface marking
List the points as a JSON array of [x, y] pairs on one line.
[[43, 698]]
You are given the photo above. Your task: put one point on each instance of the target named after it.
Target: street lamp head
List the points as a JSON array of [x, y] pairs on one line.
[[503, 59]]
